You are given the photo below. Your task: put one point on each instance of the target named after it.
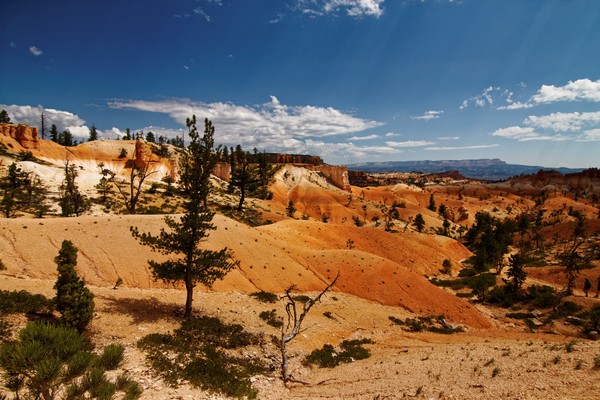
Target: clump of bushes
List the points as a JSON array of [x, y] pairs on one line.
[[329, 357], [203, 352], [13, 302]]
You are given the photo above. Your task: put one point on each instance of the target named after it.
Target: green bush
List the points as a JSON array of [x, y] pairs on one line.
[[328, 357], [195, 352], [13, 302], [542, 296], [265, 297], [48, 360]]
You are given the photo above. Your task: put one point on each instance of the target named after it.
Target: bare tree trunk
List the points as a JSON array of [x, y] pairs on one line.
[[294, 326]]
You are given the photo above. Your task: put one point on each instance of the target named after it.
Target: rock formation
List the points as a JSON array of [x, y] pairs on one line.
[[25, 135], [143, 153]]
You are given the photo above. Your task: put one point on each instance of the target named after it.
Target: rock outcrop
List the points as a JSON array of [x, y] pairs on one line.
[[25, 135], [337, 175], [142, 154]]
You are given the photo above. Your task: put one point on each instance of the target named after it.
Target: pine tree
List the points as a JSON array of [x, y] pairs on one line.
[[93, 133], [73, 300], [244, 174], [431, 205], [193, 264], [516, 275], [4, 118], [54, 133], [43, 126], [419, 222], [71, 200], [12, 190]]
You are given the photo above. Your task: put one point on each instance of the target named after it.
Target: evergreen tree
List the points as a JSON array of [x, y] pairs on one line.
[[4, 118], [93, 133], [12, 190], [54, 133], [431, 205], [193, 264], [73, 300], [65, 138], [244, 174], [127, 135], [516, 275], [419, 222], [71, 200], [290, 209], [150, 137]]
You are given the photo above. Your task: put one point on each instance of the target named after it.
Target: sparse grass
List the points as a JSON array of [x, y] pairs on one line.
[[495, 372], [556, 359], [328, 357], [202, 351], [489, 362], [570, 347], [265, 297]]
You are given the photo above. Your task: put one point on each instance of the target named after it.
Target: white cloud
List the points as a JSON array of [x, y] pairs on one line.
[[481, 100], [277, 18], [448, 138], [368, 137], [427, 115], [199, 11], [556, 127], [31, 116], [579, 90], [35, 51], [353, 8], [564, 122], [479, 146], [271, 124], [392, 134], [409, 143]]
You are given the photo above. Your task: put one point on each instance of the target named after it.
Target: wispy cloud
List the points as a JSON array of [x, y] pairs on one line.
[[475, 147], [368, 137], [35, 51], [409, 143], [448, 138], [579, 90], [555, 127], [272, 126], [487, 97], [428, 115], [277, 18], [353, 8], [199, 11]]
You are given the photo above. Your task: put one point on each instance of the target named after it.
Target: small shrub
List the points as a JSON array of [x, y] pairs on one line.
[[265, 297], [302, 298], [13, 302], [597, 361], [495, 372], [556, 359], [111, 357], [565, 309], [324, 218], [570, 347], [122, 153], [328, 357], [542, 296], [520, 315], [447, 266], [327, 314], [2, 266]]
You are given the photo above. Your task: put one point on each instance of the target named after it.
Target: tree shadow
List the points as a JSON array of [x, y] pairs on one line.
[[143, 310]]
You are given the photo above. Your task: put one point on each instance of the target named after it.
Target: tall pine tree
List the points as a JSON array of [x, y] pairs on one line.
[[192, 264]]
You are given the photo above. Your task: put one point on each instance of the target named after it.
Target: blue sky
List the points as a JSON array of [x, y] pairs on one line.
[[349, 80]]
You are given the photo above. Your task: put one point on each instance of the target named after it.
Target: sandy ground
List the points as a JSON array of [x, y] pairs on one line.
[[491, 364]]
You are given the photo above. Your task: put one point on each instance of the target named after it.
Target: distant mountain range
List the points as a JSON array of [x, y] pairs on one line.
[[484, 169]]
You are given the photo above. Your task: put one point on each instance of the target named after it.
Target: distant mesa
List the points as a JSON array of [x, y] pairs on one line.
[[491, 169]]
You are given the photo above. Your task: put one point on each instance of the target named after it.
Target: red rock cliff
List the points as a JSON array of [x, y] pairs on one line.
[[25, 135]]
